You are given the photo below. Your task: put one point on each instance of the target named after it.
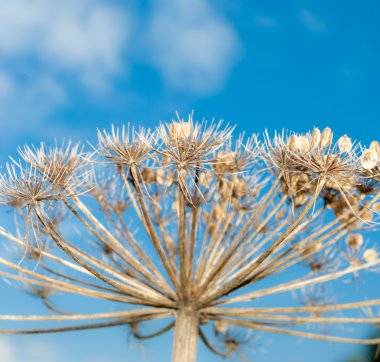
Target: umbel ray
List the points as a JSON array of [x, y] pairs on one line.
[[188, 226]]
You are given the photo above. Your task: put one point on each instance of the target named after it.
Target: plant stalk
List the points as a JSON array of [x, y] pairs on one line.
[[185, 335]]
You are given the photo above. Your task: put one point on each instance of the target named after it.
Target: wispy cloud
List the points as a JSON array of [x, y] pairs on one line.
[[191, 45], [79, 36], [311, 21], [49, 48]]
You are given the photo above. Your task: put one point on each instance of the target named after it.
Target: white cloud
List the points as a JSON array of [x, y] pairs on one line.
[[311, 21], [192, 46], [49, 46], [72, 35]]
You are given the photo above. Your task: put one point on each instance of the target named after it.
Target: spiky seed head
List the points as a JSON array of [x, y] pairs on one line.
[[180, 130], [125, 146], [190, 153], [27, 186], [315, 138], [326, 137], [370, 255], [355, 241], [63, 164], [369, 159], [185, 156], [344, 144]]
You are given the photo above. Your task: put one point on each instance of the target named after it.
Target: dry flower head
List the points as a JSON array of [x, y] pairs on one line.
[[183, 220]]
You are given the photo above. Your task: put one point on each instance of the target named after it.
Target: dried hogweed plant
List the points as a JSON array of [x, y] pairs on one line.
[[188, 224]]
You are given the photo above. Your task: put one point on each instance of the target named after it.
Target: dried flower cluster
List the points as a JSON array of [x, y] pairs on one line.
[[184, 222]]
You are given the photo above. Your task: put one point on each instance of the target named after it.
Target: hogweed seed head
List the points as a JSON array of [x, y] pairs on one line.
[[185, 220], [125, 146], [180, 130], [27, 186]]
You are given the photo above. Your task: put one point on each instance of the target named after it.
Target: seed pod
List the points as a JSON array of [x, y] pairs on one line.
[[240, 188], [205, 179], [226, 162], [218, 212], [344, 144], [148, 175], [312, 249], [367, 216], [175, 206], [303, 143], [376, 147], [369, 159], [315, 138], [293, 143], [220, 327], [160, 176], [355, 241], [225, 189], [301, 199], [326, 137], [370, 256]]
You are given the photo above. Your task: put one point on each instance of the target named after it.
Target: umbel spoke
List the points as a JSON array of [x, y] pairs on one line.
[[184, 222]]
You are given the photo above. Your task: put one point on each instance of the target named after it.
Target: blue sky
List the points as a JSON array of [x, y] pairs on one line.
[[68, 67]]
